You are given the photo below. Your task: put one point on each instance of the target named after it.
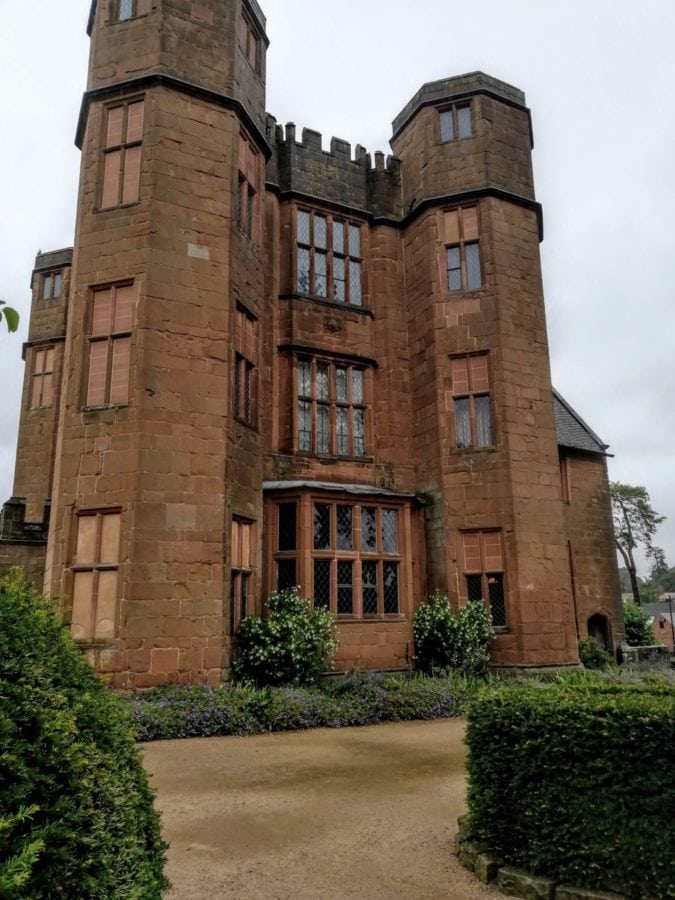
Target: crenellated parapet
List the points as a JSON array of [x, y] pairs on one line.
[[357, 179]]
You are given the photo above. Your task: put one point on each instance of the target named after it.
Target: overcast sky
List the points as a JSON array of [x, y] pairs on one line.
[[598, 75]]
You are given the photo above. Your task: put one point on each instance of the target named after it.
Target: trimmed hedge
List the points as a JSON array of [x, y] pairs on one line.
[[76, 812], [356, 699], [574, 781]]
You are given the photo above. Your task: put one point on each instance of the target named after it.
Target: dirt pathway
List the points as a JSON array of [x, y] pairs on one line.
[[356, 813]]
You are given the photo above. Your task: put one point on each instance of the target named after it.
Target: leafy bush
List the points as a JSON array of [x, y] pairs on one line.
[[569, 781], [451, 639], [362, 698], [292, 645], [638, 625], [593, 656], [77, 814]]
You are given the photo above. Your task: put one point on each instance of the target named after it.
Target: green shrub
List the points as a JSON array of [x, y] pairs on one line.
[[292, 645], [569, 781], [638, 624], [593, 656], [76, 811], [451, 639]]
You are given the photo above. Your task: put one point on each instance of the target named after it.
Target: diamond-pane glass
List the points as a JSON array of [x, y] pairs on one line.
[[320, 279], [305, 426], [338, 237], [368, 530], [390, 588], [320, 232], [303, 271], [389, 531], [287, 526], [359, 423], [339, 280], [454, 270], [497, 599], [305, 379], [126, 10], [303, 228], [322, 428], [322, 526], [483, 421], [322, 583], [354, 240], [341, 385], [345, 531], [286, 577], [369, 588], [473, 276], [464, 121], [342, 431], [247, 410], [474, 587], [243, 598], [462, 423], [355, 297], [322, 382], [447, 126], [357, 385], [345, 589]]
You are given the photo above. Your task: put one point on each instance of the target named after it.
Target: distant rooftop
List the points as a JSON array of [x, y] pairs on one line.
[[572, 431]]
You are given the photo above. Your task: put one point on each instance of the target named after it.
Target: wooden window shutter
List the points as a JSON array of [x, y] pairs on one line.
[[83, 599], [98, 367], [125, 299], [143, 7], [85, 552], [106, 603], [236, 544]]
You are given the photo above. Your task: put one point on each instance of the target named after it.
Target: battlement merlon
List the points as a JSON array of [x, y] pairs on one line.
[[53, 259], [447, 90], [333, 176]]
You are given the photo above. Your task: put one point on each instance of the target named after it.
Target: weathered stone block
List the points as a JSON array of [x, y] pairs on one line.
[[519, 883], [563, 892], [486, 867]]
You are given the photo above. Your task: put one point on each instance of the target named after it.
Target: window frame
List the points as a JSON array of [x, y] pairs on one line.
[[41, 353], [242, 576], [123, 147], [96, 567], [333, 404], [246, 375], [453, 110], [466, 235], [351, 261], [145, 7], [485, 572], [471, 394], [48, 285], [306, 554], [248, 189], [250, 42], [110, 338]]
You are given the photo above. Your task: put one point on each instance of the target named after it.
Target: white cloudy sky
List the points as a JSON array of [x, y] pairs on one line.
[[598, 75]]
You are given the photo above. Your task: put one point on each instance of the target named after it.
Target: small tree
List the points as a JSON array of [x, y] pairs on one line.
[[292, 645], [10, 316], [638, 625], [635, 522], [451, 639]]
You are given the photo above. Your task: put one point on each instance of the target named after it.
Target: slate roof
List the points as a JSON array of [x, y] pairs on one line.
[[572, 431]]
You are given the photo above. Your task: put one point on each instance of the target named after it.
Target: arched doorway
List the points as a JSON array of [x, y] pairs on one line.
[[598, 628]]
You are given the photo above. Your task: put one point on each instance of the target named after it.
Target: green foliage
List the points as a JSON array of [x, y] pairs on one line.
[[569, 781], [451, 639], [10, 316], [360, 698], [593, 656], [638, 624], [294, 644], [77, 814]]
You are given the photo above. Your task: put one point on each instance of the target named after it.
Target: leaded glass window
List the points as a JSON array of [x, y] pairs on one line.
[[328, 258], [331, 409], [470, 387]]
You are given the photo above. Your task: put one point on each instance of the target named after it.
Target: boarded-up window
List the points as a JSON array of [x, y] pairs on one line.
[[471, 401], [248, 190], [42, 387], [113, 312], [95, 576], [462, 250], [245, 390], [242, 571], [122, 154], [484, 572], [249, 42]]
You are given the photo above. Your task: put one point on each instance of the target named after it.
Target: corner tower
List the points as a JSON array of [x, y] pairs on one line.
[[167, 268], [484, 433]]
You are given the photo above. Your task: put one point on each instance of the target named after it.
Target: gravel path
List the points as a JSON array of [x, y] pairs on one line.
[[364, 813]]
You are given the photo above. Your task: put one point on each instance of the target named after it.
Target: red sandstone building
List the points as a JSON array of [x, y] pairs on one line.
[[267, 364]]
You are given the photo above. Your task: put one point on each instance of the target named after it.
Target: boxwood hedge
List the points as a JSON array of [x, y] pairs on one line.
[[76, 812], [576, 781]]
